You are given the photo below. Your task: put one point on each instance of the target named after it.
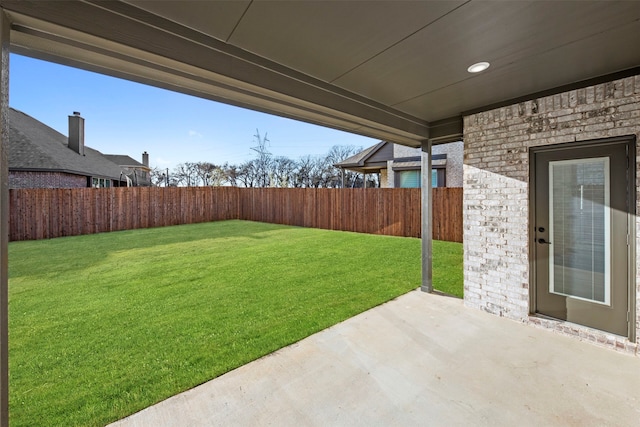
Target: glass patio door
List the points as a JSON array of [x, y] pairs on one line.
[[581, 227]]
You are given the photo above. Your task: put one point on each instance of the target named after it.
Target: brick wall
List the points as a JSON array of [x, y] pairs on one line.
[[496, 191], [24, 179], [404, 151], [384, 178]]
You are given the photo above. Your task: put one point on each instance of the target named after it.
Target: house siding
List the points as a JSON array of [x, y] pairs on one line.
[[27, 179], [496, 192]]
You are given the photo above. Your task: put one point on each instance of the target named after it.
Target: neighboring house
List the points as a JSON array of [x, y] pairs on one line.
[[399, 166], [138, 173], [41, 157]]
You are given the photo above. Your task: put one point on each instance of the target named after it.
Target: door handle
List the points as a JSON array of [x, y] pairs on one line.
[[543, 242]]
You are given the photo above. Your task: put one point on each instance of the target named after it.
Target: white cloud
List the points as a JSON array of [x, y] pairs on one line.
[[196, 134]]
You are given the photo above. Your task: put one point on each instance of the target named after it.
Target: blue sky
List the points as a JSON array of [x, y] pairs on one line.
[[123, 117]]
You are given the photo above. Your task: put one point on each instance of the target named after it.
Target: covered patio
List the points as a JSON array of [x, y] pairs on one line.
[[559, 74], [460, 367]]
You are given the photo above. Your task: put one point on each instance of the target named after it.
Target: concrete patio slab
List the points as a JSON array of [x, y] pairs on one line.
[[419, 360]]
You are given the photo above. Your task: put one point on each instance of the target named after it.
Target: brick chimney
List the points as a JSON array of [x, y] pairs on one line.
[[145, 159], [76, 133]]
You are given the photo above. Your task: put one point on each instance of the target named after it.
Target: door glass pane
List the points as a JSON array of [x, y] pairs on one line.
[[579, 229]]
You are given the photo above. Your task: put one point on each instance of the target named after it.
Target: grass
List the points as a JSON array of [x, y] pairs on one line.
[[102, 326]]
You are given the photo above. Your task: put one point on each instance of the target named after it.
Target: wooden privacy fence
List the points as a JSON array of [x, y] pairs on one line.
[[48, 213]]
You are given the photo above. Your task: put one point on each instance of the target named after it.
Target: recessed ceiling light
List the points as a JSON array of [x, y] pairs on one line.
[[478, 67]]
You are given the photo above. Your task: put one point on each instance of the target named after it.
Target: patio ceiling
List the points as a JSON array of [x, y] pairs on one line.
[[390, 70]]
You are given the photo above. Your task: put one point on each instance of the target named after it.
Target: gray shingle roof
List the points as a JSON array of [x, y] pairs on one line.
[[359, 158], [35, 146], [124, 160]]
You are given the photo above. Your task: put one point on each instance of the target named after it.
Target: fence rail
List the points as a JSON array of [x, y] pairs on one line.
[[48, 213]]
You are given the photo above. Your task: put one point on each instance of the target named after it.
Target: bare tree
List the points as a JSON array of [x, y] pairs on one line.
[[282, 171], [248, 174], [186, 174], [338, 153], [301, 177], [231, 174], [265, 170], [319, 172], [158, 177], [217, 177], [204, 172], [342, 177]]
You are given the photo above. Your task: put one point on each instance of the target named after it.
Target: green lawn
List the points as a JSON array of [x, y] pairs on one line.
[[104, 325]]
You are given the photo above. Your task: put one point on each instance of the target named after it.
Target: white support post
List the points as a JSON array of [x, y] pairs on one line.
[[427, 218], [4, 219]]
